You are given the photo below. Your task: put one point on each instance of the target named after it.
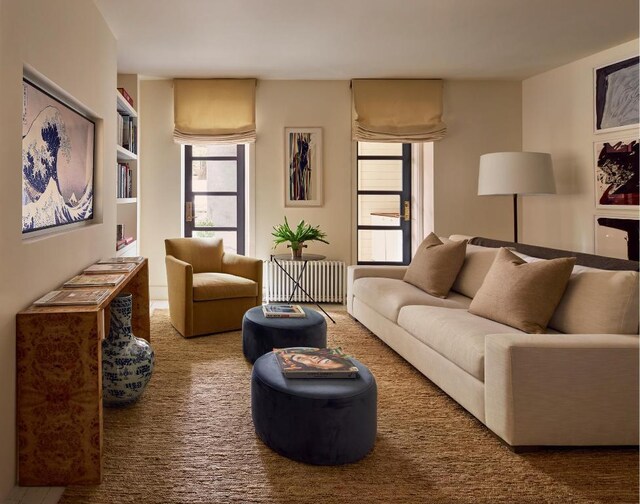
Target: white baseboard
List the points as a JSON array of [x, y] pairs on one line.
[[159, 292]]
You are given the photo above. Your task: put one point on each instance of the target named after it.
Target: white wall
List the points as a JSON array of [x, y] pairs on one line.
[[481, 117], [160, 179], [68, 42], [325, 104], [558, 118]]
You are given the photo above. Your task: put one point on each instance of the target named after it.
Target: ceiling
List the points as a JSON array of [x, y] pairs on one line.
[[344, 39]]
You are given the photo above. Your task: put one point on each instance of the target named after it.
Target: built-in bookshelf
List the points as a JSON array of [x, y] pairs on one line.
[[128, 166]]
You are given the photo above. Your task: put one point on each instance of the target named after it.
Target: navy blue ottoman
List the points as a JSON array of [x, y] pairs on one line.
[[261, 334], [317, 421]]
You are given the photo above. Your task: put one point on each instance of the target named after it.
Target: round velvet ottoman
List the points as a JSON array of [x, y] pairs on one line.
[[261, 334], [321, 421]]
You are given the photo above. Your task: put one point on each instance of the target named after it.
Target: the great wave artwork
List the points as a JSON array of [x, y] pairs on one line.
[[57, 162]]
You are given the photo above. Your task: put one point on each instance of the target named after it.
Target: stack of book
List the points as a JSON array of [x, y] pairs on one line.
[[315, 363], [128, 133], [81, 297], [118, 260], [283, 311], [94, 280], [125, 95], [125, 181], [106, 268]]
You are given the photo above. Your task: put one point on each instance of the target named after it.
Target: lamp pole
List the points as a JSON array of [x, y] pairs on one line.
[[515, 217]]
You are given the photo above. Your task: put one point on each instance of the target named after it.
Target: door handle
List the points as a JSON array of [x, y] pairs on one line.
[[406, 214], [188, 211]]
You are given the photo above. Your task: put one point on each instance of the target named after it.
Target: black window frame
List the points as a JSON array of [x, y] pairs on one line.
[[239, 193], [404, 195]]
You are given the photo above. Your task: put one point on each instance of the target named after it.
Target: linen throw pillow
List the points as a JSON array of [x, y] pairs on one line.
[[435, 265], [521, 294]]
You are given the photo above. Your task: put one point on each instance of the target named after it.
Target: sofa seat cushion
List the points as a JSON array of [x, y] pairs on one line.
[[212, 286], [455, 334], [388, 295]]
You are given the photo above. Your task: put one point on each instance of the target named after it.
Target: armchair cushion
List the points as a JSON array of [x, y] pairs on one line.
[[204, 254], [212, 286]]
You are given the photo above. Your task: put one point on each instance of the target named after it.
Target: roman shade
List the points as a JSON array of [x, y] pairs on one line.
[[397, 110], [214, 111]]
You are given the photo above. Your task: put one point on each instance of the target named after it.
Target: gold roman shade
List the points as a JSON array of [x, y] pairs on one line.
[[397, 110], [214, 111]]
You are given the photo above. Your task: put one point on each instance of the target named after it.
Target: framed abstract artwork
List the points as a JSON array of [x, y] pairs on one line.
[[616, 173], [617, 236], [303, 167], [57, 161], [616, 95]]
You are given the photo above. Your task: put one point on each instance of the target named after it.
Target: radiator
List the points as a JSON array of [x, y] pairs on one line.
[[324, 280]]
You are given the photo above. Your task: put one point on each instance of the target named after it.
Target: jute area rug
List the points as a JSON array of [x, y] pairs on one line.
[[190, 439]]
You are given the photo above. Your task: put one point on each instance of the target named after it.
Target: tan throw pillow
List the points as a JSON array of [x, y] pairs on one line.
[[521, 294], [435, 265]]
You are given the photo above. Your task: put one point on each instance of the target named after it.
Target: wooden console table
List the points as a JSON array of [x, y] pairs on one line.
[[59, 385]]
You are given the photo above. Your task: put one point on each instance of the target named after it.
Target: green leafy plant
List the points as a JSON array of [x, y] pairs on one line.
[[303, 232]]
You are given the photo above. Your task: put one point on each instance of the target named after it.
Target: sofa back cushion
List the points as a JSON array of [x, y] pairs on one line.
[[435, 265], [520, 294], [598, 302], [477, 262]]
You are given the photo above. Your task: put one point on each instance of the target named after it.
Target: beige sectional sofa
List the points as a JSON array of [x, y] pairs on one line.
[[575, 385]]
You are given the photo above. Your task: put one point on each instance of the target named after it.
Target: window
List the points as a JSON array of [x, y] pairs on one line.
[[214, 194], [384, 199]]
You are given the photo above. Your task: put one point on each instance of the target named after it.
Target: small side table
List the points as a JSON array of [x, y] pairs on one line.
[[305, 258]]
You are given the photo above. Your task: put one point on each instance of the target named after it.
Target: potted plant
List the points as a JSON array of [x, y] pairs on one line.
[[296, 239]]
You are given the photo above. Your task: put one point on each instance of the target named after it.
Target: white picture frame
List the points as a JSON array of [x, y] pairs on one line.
[[621, 165], [303, 170], [612, 105]]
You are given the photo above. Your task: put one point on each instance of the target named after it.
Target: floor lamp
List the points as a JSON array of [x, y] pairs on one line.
[[516, 173]]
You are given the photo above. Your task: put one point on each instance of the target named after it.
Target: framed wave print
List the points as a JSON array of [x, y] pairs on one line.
[[57, 161]]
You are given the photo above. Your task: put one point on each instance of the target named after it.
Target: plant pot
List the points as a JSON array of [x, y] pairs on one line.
[[296, 253], [127, 361]]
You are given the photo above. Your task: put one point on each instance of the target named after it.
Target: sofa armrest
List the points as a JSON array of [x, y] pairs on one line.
[[180, 287], [562, 389], [355, 272], [246, 267]]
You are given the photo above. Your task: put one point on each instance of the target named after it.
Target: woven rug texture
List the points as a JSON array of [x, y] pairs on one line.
[[190, 439]]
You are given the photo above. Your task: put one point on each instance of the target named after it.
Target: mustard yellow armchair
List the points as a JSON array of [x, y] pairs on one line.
[[209, 290]]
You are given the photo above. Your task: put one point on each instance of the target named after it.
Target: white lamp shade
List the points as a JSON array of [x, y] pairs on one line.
[[516, 173]]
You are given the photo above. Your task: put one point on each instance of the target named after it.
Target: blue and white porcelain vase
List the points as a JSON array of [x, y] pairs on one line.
[[127, 361]]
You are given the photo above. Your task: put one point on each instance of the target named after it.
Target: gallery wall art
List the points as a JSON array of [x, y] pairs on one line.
[[616, 95], [303, 167], [616, 173], [617, 236], [57, 161]]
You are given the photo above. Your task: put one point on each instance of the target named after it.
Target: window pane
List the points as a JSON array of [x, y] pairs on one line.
[[229, 238], [379, 149], [379, 175], [219, 211], [377, 210], [214, 176], [214, 150], [380, 246]]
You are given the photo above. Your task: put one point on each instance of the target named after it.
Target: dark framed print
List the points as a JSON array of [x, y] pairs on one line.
[[616, 173], [616, 95]]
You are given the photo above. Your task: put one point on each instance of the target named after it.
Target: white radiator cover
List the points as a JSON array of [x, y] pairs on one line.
[[324, 280]]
